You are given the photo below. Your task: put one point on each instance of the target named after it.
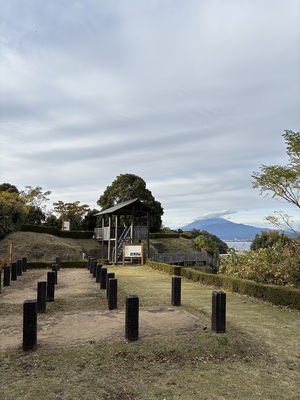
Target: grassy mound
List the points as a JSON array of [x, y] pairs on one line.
[[171, 245], [44, 247]]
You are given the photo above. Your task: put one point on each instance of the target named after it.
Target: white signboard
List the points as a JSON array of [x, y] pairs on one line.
[[133, 251], [66, 226]]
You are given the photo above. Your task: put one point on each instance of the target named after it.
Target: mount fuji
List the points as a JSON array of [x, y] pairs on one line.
[[224, 229]]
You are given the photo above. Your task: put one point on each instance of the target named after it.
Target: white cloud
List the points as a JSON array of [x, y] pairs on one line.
[[191, 96], [220, 214]]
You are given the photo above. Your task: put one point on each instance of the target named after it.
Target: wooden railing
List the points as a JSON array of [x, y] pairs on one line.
[[186, 258]]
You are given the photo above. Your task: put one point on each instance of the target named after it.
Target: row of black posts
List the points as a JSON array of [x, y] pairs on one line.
[[109, 282], [218, 315], [45, 292], [11, 272], [106, 280]]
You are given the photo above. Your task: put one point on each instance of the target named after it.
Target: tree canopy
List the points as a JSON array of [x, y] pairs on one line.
[[127, 187], [28, 207], [7, 187], [221, 246], [269, 239], [17, 207], [13, 212], [73, 212], [206, 243], [283, 182]]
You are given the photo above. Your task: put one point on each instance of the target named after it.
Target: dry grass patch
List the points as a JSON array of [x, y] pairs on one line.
[[45, 248], [258, 357], [169, 367]]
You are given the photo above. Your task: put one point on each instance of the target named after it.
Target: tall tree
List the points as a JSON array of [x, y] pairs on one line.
[[283, 182], [74, 212], [127, 187], [89, 221], [269, 239], [8, 188], [17, 207], [34, 197], [52, 220], [13, 212], [206, 243]]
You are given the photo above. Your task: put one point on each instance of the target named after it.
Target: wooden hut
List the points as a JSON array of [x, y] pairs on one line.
[[121, 225]]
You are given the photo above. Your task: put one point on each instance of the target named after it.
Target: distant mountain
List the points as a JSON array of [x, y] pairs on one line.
[[224, 229]]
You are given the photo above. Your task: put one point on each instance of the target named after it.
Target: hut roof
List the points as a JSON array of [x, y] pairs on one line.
[[128, 207]]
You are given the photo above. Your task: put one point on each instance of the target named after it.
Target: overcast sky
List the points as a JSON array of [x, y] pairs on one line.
[[192, 96]]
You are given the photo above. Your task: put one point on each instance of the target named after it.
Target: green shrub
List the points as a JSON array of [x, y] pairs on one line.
[[160, 235], [185, 235], [103, 261], [63, 264], [277, 265], [77, 234], [74, 264], [39, 265], [51, 230], [277, 295], [169, 269]]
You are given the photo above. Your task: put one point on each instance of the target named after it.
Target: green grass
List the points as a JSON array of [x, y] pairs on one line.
[[257, 358], [45, 248], [172, 245]]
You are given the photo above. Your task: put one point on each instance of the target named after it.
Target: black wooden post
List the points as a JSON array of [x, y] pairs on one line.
[[55, 269], [24, 264], [132, 318], [176, 290], [29, 324], [19, 267], [50, 285], [98, 273], [103, 278], [113, 294], [218, 320], [41, 296], [109, 275], [6, 275], [94, 268], [14, 275], [91, 265], [89, 262], [57, 262]]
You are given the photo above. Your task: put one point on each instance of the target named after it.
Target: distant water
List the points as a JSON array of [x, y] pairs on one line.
[[239, 246]]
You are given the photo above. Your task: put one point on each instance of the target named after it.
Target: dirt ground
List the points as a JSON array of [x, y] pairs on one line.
[[79, 313]]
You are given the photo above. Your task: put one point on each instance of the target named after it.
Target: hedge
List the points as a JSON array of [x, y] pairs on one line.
[[77, 234], [169, 269], [73, 264], [161, 235], [277, 295], [51, 230], [63, 264], [103, 261], [39, 265]]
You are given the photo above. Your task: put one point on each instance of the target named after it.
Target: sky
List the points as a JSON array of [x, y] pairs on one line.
[[192, 96]]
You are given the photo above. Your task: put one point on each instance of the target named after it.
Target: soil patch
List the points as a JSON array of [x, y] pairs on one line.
[[79, 313]]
